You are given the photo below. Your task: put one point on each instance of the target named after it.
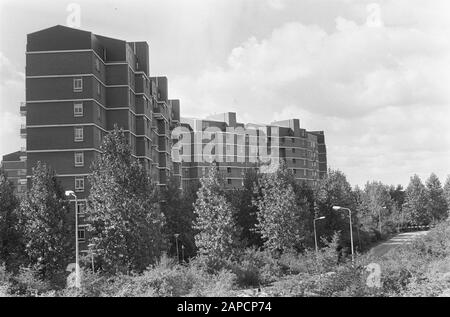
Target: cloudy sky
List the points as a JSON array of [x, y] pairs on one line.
[[373, 75]]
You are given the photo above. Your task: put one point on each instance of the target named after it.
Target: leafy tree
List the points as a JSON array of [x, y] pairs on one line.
[[415, 206], [375, 206], [123, 211], [437, 205], [10, 242], [47, 228], [335, 190], [397, 195], [218, 233], [447, 193], [279, 214], [177, 207], [246, 212]]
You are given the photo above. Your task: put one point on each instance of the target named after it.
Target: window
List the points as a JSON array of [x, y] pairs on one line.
[[294, 161], [81, 207], [293, 140], [99, 113], [78, 134], [229, 170], [293, 150], [79, 184], [295, 171], [229, 181], [97, 64], [79, 159], [78, 84], [81, 234], [78, 109], [99, 89]]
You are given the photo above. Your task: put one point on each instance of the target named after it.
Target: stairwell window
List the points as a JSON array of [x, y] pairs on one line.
[[81, 234], [79, 134], [79, 184], [79, 159], [97, 64], [78, 84], [78, 109], [99, 89], [81, 207]]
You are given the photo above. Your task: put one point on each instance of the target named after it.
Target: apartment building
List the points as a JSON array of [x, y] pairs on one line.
[[236, 147], [15, 167], [79, 85]]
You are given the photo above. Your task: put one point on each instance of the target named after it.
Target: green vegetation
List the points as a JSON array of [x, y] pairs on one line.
[[259, 236]]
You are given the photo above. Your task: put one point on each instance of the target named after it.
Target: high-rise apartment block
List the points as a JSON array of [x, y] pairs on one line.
[[79, 85], [236, 147]]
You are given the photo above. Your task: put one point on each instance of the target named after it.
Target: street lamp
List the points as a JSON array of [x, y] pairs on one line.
[[77, 266], [315, 233], [91, 248], [379, 217], [337, 208], [176, 244]]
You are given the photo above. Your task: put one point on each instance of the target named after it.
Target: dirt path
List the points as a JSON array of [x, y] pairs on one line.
[[400, 239]]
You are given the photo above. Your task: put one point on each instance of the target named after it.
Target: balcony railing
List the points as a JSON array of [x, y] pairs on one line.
[[23, 109], [23, 130]]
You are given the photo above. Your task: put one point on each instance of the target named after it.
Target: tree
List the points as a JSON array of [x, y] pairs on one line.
[[436, 204], [47, 229], [123, 213], [375, 206], [415, 206], [218, 232], [447, 193], [279, 215], [10, 242], [246, 212], [177, 207], [335, 190]]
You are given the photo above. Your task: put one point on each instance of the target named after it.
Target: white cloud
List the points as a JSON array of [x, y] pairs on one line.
[[276, 4], [380, 93]]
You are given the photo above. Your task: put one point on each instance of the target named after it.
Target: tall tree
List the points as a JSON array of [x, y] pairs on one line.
[[123, 210], [177, 207], [10, 242], [375, 208], [47, 228], [415, 206], [447, 193], [335, 190], [218, 232], [436, 204], [246, 212], [279, 215]]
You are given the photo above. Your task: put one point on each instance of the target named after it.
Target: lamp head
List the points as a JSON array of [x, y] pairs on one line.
[[337, 208], [69, 192], [323, 217]]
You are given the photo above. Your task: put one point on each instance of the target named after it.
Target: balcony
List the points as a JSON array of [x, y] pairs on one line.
[[23, 109], [23, 131], [160, 110]]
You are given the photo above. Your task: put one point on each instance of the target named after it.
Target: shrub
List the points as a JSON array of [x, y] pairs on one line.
[[28, 283]]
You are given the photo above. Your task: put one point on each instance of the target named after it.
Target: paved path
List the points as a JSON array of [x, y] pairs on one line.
[[402, 238]]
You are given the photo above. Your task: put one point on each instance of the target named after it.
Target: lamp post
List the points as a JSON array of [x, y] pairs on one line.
[[379, 218], [337, 208], [91, 248], [315, 233], [182, 252], [77, 266], [176, 244]]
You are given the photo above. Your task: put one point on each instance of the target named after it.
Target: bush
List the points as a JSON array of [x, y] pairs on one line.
[[28, 283], [4, 281]]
